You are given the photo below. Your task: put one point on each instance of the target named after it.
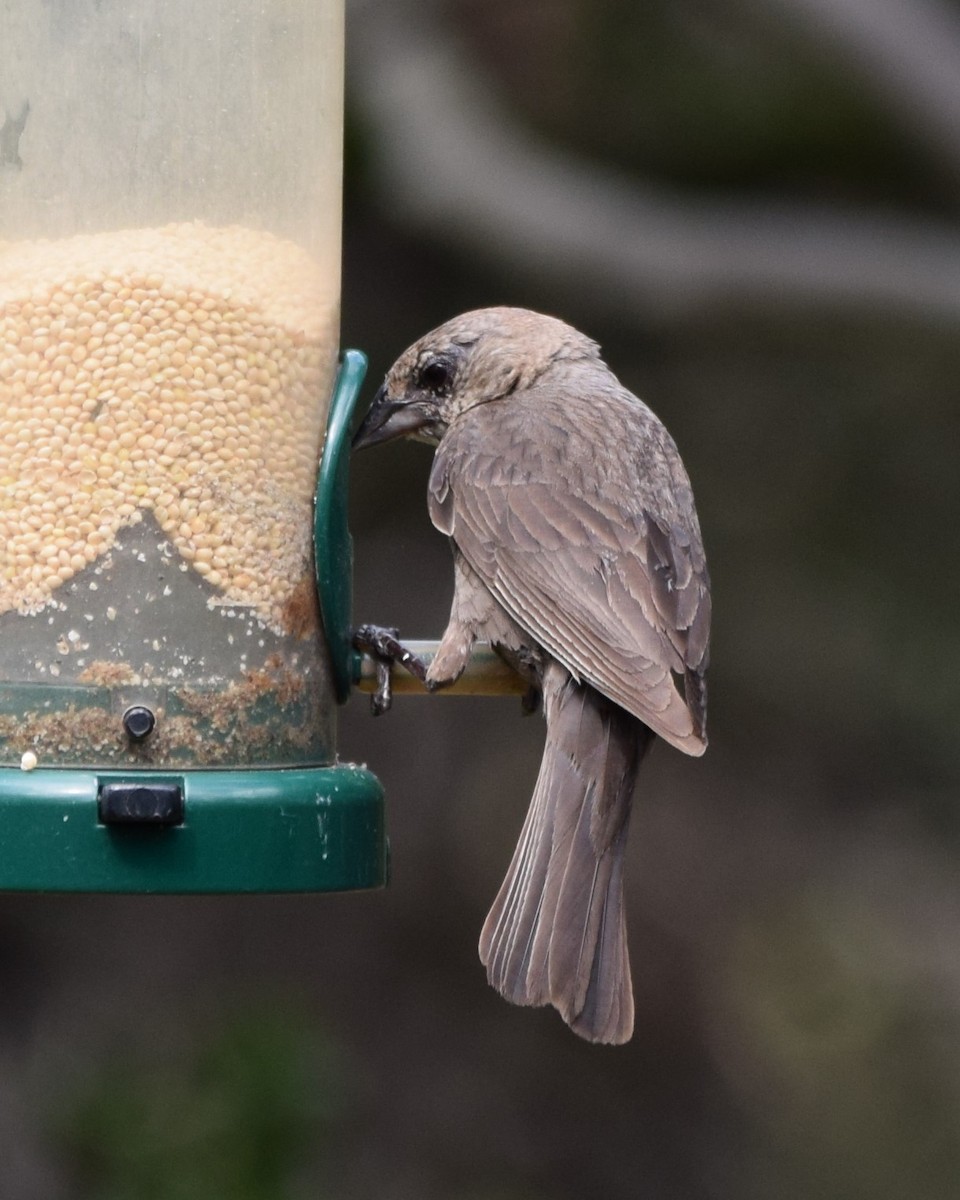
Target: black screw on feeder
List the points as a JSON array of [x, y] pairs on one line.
[[138, 722]]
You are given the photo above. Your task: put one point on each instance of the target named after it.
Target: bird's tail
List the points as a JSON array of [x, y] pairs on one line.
[[556, 932]]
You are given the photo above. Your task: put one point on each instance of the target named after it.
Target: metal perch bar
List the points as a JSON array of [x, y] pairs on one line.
[[486, 674]]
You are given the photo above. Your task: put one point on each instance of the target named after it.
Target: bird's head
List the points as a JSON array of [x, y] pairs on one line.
[[476, 358]]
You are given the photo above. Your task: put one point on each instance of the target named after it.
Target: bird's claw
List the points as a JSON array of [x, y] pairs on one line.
[[382, 644], [530, 700]]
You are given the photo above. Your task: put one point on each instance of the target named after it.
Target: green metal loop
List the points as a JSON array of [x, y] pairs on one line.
[[333, 545]]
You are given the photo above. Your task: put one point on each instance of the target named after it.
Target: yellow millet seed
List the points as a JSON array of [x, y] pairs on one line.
[[183, 370]]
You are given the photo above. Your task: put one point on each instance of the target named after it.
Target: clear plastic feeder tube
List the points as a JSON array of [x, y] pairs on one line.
[[170, 180]]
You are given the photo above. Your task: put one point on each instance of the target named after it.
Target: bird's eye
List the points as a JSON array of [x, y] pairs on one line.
[[434, 375]]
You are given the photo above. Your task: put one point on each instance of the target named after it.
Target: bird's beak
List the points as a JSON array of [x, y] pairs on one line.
[[388, 419]]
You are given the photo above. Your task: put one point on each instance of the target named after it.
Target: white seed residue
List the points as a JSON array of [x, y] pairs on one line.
[[28, 760], [180, 370]]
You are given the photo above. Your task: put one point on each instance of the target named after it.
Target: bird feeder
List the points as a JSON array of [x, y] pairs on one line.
[[174, 557]]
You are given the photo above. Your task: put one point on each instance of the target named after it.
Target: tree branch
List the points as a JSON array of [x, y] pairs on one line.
[[451, 163]]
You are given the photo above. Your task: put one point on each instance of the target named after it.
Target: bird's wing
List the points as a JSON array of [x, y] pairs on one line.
[[580, 520]]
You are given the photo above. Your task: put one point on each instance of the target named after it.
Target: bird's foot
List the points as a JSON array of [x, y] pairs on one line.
[[383, 645], [529, 664], [530, 700]]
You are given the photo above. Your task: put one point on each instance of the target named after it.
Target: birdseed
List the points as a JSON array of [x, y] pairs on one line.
[[183, 371]]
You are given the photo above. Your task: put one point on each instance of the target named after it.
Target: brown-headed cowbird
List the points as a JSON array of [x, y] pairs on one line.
[[578, 556]]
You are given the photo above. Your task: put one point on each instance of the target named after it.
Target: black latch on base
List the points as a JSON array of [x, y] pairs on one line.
[[129, 803]]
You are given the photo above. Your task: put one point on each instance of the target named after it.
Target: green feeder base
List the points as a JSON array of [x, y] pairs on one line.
[[291, 830]]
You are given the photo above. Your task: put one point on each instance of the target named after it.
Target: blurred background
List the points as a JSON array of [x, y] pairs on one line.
[[754, 206]]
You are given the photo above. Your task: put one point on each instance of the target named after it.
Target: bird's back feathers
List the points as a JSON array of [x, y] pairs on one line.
[[579, 519]]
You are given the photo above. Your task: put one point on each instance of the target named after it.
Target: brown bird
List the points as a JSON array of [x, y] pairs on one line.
[[578, 556]]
